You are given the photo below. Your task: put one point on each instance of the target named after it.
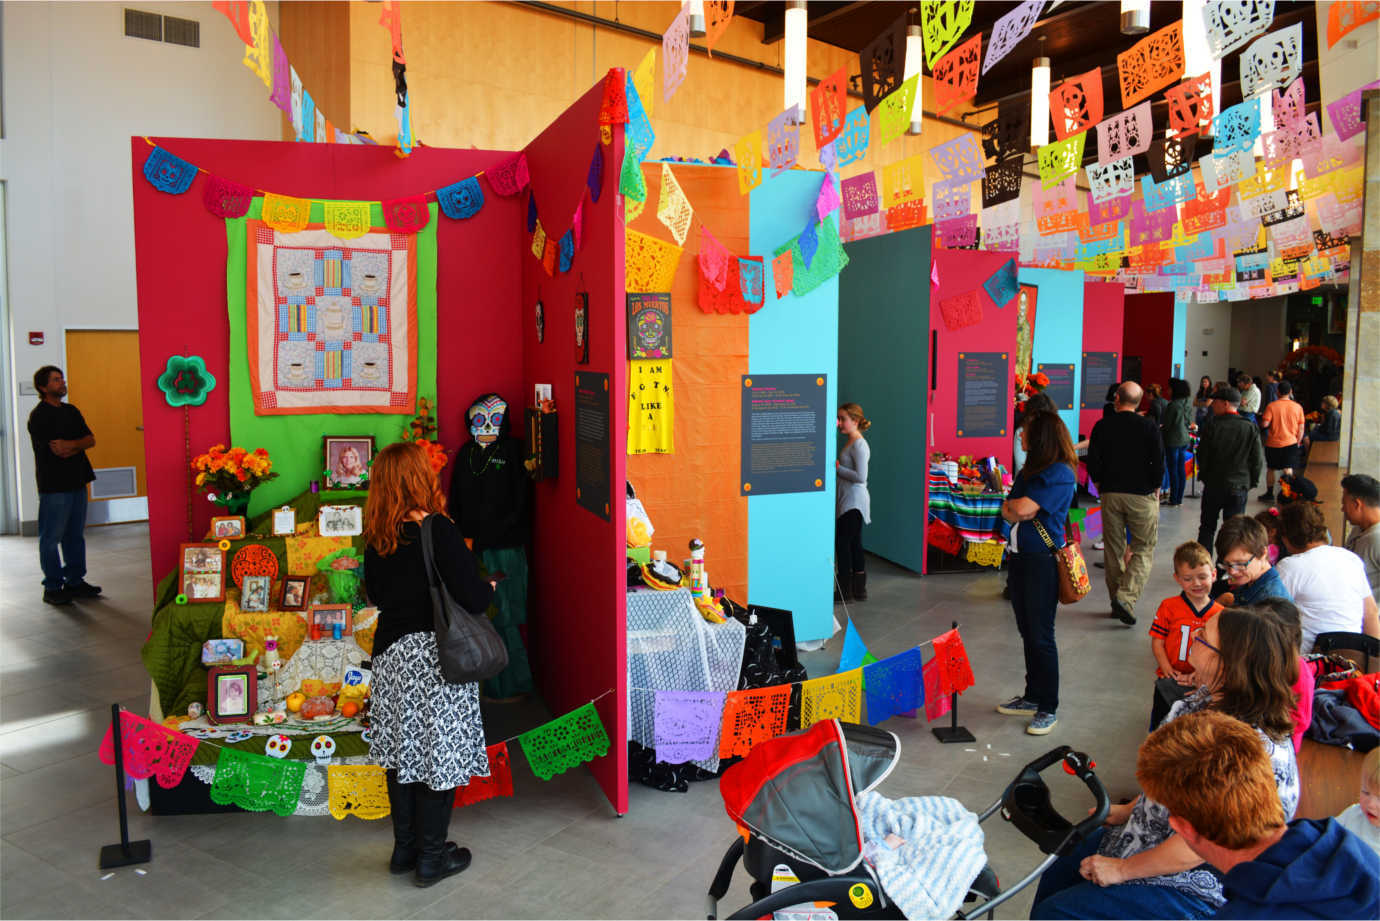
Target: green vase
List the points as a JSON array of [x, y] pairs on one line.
[[235, 504]]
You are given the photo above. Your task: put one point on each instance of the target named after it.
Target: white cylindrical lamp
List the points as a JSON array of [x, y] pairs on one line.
[[1039, 102], [697, 27], [915, 59], [793, 92], [1135, 17]]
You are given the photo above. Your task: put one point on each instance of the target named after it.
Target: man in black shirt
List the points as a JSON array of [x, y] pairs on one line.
[[61, 439], [1230, 458], [1126, 461]]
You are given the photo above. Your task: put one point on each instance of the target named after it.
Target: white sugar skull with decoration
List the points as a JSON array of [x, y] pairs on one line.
[[487, 416], [277, 746], [322, 748]]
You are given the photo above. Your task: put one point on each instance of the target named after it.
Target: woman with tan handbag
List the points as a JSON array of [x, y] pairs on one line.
[[1037, 507]]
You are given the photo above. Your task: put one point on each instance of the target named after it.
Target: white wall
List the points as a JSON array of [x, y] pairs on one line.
[[1208, 329], [75, 90], [1257, 334]]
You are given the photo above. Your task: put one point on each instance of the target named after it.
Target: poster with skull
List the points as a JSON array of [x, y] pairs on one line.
[[649, 325]]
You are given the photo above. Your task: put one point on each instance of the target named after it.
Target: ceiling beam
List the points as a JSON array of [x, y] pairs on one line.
[[774, 29]]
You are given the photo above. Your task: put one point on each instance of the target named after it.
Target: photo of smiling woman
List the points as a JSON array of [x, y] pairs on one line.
[[852, 505]]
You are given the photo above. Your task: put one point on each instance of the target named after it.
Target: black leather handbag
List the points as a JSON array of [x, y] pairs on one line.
[[469, 647]]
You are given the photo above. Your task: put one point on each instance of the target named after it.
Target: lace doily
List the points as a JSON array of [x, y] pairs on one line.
[[286, 214], [957, 674], [256, 782], [168, 173], [566, 742], [509, 176], [673, 209], [357, 790], [149, 750], [406, 215], [224, 198], [751, 717], [831, 697], [498, 783], [346, 220], [894, 686], [650, 263]]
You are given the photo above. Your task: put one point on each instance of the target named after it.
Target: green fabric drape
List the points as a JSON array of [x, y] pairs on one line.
[[508, 612]]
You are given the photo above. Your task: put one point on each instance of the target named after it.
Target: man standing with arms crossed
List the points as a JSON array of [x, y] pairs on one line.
[[1126, 461], [61, 439]]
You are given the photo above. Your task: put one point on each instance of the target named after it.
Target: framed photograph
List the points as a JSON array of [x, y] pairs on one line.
[[347, 460], [325, 617], [227, 527], [254, 594], [202, 572], [340, 520], [296, 592], [284, 521], [232, 693], [582, 328]]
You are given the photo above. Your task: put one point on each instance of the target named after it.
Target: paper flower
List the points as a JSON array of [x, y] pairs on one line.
[[185, 381]]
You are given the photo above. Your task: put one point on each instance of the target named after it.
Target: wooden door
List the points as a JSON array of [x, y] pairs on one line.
[[103, 382]]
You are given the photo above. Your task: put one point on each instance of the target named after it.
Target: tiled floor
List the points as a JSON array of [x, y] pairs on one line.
[[556, 849]]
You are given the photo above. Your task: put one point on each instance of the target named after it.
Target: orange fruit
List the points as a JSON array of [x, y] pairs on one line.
[[349, 708]]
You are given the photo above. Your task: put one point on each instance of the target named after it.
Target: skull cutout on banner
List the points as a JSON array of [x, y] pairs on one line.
[[322, 749], [277, 746], [486, 417]]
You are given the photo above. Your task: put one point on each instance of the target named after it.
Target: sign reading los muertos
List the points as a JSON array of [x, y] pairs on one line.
[[649, 325]]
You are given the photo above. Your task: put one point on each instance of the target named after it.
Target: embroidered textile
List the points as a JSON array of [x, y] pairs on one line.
[[650, 263], [256, 782], [510, 176], [149, 749], [651, 408], [347, 219], [224, 198], [331, 327], [289, 627], [687, 725], [499, 782], [461, 199], [168, 173], [566, 742], [894, 686], [831, 697], [360, 790], [406, 215], [673, 209], [751, 717]]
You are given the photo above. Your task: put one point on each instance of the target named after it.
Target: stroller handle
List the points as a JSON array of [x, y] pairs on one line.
[[1026, 804]]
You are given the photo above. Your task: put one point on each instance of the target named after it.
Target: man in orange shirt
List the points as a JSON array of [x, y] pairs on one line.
[[1283, 425]]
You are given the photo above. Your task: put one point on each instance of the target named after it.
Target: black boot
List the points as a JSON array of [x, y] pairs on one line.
[[859, 586], [437, 857], [402, 805], [842, 590]]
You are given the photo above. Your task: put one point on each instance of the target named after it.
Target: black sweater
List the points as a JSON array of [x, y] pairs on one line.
[[398, 583], [489, 494], [1126, 454]]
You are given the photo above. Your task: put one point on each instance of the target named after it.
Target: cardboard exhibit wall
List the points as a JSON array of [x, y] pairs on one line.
[[1058, 332], [884, 365], [1148, 338], [1103, 317]]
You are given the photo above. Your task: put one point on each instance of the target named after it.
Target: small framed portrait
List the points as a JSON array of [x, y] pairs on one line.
[[254, 594], [296, 590], [232, 693], [340, 520], [347, 461], [228, 527], [202, 572], [284, 521], [324, 618], [582, 328]]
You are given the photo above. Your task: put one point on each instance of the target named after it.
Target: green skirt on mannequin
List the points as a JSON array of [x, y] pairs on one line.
[[510, 605]]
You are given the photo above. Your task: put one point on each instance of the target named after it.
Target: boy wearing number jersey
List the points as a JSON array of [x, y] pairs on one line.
[[1177, 618]]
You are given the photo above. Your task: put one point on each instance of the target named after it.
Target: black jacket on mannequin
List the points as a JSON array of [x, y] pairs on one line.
[[489, 494]]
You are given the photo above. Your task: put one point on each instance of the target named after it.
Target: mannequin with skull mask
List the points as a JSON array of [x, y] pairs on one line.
[[489, 500]]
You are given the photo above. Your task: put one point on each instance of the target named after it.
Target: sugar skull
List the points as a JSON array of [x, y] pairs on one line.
[[486, 418], [651, 326], [322, 748], [278, 746]]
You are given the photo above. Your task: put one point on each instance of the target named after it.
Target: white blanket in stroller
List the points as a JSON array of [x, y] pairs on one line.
[[929, 874]]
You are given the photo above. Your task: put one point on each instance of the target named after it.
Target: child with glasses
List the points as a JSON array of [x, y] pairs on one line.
[[1242, 553]]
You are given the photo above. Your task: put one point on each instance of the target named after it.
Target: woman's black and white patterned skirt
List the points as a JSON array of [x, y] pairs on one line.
[[429, 730]]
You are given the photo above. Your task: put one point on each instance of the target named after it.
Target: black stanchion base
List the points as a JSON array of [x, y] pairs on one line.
[[949, 734], [124, 855]]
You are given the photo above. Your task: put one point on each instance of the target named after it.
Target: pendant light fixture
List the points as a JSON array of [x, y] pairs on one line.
[[1135, 17], [796, 49], [915, 56], [697, 29], [1039, 99]]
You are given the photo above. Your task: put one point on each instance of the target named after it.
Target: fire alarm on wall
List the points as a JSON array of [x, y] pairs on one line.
[[35, 338]]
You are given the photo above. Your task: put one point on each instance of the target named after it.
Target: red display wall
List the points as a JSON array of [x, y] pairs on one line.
[[180, 261], [1148, 334], [577, 596], [1104, 315]]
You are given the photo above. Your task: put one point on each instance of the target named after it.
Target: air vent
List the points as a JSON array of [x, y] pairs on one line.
[[114, 483], [139, 24], [182, 31]]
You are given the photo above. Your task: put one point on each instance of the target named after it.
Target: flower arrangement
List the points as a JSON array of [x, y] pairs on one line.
[[422, 431], [227, 475], [343, 569], [1031, 385]]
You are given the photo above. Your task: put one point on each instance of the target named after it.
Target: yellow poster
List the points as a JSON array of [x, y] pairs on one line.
[[651, 407]]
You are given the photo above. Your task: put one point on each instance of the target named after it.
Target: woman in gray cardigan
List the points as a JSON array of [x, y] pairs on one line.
[[852, 507]]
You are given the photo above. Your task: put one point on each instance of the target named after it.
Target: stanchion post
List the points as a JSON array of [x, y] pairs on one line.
[[127, 852], [953, 732]]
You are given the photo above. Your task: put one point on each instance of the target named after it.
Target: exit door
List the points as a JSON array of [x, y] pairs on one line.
[[103, 382]]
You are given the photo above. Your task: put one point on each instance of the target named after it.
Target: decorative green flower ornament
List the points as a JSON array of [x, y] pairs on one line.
[[186, 382]]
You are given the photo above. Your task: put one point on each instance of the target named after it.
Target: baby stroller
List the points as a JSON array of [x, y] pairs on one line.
[[796, 802]]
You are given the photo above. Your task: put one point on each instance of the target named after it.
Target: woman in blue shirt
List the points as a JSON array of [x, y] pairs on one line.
[[1037, 507]]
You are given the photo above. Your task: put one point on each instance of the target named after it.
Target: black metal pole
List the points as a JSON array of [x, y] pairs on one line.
[[126, 852]]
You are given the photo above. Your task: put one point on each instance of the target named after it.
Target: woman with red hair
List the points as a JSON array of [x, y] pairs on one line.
[[426, 732]]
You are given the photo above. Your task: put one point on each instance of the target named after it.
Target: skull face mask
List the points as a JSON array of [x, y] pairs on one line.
[[486, 419]]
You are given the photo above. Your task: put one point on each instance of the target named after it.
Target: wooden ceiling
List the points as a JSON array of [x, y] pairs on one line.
[[1078, 36]]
